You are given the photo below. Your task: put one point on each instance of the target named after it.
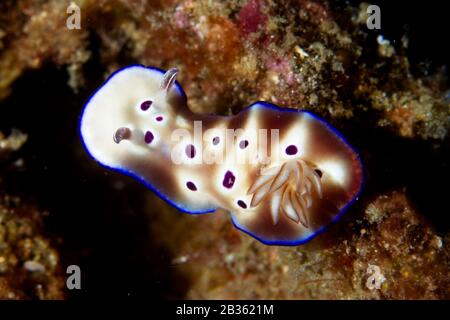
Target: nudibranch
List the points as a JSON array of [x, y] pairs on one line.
[[282, 174]]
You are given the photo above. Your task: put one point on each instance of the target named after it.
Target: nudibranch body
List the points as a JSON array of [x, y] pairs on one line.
[[283, 174]]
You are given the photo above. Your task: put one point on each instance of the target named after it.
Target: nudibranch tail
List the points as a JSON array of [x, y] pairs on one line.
[[283, 174]]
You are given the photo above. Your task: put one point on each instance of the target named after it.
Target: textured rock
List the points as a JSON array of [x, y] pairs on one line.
[[29, 264], [411, 257]]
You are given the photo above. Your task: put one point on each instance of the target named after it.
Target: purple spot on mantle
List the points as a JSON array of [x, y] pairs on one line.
[[191, 186], [146, 105], [228, 180], [216, 141], [159, 118], [190, 151], [148, 137], [242, 204], [291, 150], [243, 144]]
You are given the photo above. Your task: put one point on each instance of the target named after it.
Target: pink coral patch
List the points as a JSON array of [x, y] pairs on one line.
[[251, 18]]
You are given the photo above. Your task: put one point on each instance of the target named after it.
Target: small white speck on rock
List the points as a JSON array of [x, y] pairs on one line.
[[34, 266]]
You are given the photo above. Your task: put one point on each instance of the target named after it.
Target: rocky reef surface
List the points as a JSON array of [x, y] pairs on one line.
[[302, 54], [29, 263]]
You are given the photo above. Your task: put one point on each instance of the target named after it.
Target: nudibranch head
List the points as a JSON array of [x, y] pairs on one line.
[[283, 174]]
